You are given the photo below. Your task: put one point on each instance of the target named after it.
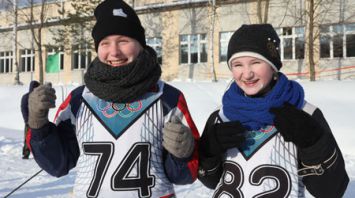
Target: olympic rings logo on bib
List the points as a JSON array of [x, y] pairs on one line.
[[110, 109]]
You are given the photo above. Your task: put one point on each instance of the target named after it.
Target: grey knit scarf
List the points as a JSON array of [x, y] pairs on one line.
[[125, 83]]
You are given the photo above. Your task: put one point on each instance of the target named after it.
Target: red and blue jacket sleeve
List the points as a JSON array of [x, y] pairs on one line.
[[180, 171], [54, 146]]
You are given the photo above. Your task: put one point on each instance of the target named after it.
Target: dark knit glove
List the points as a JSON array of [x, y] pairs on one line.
[[220, 137], [39, 101], [296, 126]]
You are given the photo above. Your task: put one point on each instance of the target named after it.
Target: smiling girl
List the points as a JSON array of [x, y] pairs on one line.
[[266, 140]]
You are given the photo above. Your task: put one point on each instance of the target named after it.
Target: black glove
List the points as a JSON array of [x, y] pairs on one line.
[[214, 142], [220, 137], [296, 126]]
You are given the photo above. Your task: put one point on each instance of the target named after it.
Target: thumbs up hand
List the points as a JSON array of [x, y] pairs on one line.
[[177, 138], [40, 100]]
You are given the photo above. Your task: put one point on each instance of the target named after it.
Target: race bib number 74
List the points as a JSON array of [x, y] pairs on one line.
[[122, 179]]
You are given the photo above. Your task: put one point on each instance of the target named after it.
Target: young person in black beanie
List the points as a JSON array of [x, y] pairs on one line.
[[127, 133], [266, 140]]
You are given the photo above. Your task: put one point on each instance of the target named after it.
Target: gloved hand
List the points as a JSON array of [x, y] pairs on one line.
[[296, 126], [178, 139], [39, 101], [221, 137]]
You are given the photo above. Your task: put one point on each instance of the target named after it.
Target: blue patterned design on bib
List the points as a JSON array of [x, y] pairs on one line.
[[117, 117], [255, 140]]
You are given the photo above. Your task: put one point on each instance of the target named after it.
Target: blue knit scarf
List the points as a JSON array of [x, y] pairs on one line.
[[253, 113]]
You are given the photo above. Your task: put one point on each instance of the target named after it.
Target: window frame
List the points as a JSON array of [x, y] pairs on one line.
[[332, 33], [222, 43], [6, 62], [156, 43], [52, 51], [25, 55], [293, 35], [80, 52], [200, 42]]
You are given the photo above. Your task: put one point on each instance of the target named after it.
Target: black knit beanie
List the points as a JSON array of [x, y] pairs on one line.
[[115, 17], [256, 40]]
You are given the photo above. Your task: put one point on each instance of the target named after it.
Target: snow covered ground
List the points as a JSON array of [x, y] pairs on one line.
[[335, 98]]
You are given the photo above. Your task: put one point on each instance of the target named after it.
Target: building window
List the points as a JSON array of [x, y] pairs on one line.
[[325, 39], [52, 51], [81, 57], [156, 44], [337, 41], [299, 43], [6, 62], [350, 40], [193, 48], [224, 38], [27, 60], [286, 43], [350, 47], [292, 42], [331, 41]]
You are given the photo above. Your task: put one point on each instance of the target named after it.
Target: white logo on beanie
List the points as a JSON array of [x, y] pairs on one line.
[[119, 12]]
